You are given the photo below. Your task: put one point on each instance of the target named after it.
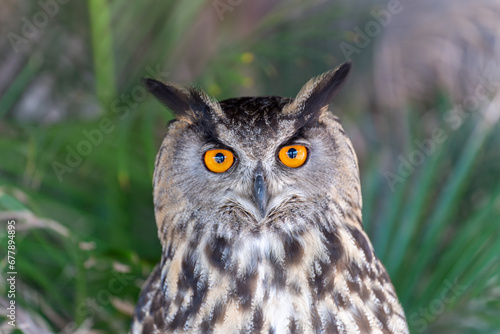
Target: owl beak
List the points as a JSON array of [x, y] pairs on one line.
[[260, 193]]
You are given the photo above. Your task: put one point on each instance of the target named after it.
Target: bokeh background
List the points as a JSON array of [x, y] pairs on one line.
[[78, 138]]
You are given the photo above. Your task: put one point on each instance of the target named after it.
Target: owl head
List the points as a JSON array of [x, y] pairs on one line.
[[241, 165]]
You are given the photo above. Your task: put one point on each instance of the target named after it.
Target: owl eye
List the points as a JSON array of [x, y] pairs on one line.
[[218, 160], [293, 156]]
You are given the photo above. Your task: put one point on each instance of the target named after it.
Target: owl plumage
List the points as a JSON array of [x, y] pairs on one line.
[[262, 247]]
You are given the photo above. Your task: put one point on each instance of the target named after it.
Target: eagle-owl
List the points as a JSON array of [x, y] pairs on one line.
[[258, 207]]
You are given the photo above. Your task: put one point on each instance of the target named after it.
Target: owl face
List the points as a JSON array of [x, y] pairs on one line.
[[247, 161]]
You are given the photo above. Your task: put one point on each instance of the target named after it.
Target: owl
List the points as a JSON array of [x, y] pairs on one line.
[[258, 208]]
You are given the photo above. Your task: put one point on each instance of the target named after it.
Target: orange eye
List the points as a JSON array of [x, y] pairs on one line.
[[218, 161], [293, 156]]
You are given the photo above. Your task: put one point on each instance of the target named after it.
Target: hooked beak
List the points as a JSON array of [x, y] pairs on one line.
[[260, 193]]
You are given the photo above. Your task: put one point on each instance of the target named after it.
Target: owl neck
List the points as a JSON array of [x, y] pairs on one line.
[[250, 262]]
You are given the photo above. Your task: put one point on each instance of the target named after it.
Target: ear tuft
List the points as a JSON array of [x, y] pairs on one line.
[[318, 93], [187, 103]]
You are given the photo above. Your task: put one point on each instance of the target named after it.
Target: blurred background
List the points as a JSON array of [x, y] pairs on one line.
[[79, 135]]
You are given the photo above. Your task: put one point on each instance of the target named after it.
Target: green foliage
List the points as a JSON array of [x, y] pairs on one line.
[[434, 224], [85, 229]]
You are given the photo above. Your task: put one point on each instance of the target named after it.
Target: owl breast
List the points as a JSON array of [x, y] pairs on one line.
[[315, 279]]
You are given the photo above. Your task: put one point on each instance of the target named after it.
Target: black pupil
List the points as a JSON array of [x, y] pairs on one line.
[[219, 158], [292, 153]]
